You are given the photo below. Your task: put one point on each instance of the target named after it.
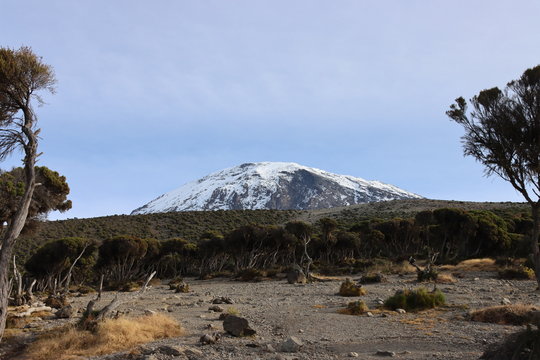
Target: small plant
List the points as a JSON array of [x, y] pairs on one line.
[[233, 311], [515, 314], [173, 283], [350, 288], [373, 278], [130, 287], [355, 308], [516, 273], [250, 274], [418, 299], [182, 288], [428, 274]]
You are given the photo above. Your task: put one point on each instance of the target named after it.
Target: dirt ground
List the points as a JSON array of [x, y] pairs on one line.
[[309, 312]]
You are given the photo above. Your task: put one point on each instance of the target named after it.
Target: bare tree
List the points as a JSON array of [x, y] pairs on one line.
[[22, 76], [503, 133]]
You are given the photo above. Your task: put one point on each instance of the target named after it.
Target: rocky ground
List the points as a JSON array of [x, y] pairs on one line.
[[277, 310]]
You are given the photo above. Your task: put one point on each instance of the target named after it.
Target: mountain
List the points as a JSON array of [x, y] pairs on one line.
[[273, 185]]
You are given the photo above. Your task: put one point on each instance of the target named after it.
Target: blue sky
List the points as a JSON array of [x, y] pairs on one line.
[[152, 95]]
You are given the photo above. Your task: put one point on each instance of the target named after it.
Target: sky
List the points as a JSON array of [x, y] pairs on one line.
[[154, 94]]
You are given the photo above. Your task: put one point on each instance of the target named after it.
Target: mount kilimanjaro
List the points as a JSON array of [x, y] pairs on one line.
[[273, 185]]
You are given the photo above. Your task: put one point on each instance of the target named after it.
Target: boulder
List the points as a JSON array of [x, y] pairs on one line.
[[209, 339], [291, 345], [237, 326], [296, 276], [65, 312]]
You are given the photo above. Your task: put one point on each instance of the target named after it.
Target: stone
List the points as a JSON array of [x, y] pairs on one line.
[[353, 354], [170, 350], [216, 308], [296, 276], [223, 316], [149, 312], [269, 348], [291, 345], [192, 352], [385, 353], [401, 311], [222, 300], [209, 339], [237, 326], [65, 312], [505, 301]]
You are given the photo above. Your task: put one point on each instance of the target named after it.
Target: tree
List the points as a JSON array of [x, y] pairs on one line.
[[22, 76], [503, 133]]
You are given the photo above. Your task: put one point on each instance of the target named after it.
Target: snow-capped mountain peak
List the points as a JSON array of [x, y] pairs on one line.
[[272, 185]]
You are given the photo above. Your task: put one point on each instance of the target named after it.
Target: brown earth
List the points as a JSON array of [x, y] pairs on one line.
[[276, 310]]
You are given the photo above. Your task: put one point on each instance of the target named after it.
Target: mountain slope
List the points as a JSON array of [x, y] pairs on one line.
[[273, 185]]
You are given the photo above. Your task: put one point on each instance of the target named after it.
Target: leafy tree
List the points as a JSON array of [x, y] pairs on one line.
[[22, 76], [503, 133], [50, 195]]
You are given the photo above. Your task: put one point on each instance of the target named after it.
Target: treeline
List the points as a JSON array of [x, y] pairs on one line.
[[455, 234]]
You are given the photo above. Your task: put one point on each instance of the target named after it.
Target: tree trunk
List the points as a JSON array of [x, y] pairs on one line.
[[18, 220], [534, 242]]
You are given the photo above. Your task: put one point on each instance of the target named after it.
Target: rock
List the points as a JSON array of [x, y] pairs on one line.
[[369, 314], [237, 326], [65, 312], [223, 316], [209, 339], [269, 348], [291, 345], [505, 301], [216, 308], [296, 276], [149, 312], [170, 350], [222, 300], [385, 353], [353, 354], [401, 311], [192, 353]]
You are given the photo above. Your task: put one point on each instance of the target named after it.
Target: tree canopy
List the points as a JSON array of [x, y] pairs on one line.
[[503, 133]]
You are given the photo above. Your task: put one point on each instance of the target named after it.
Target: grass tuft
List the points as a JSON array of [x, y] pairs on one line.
[[111, 336], [514, 314], [350, 288], [414, 300]]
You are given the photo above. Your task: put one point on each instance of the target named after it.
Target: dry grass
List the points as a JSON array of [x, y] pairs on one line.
[[485, 264], [515, 314], [111, 336], [445, 279]]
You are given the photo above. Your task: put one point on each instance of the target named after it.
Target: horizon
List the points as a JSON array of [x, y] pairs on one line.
[[153, 97]]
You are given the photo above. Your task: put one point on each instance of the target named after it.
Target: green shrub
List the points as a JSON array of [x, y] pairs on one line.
[[427, 275], [350, 288], [516, 273], [418, 299]]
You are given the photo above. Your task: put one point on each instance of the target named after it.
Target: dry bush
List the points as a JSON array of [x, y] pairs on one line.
[[388, 267], [523, 345], [485, 264], [355, 308], [515, 314], [516, 273], [110, 336], [350, 288], [445, 279], [373, 278]]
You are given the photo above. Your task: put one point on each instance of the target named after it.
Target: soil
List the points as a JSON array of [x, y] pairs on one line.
[[310, 312]]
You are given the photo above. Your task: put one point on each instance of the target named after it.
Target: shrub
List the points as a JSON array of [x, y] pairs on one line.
[[173, 283], [418, 299], [355, 308], [129, 286], [524, 344], [516, 273], [350, 288], [182, 288], [250, 274], [372, 278], [111, 336], [85, 289], [427, 275], [515, 314]]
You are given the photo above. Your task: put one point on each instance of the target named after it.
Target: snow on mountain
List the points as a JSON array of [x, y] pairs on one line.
[[273, 185]]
